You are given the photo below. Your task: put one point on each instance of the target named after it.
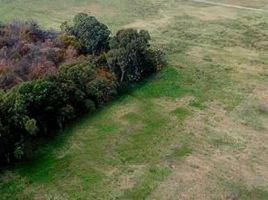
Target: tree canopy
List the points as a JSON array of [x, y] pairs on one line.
[[92, 35]]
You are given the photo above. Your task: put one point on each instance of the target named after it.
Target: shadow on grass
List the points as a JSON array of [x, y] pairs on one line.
[[43, 164]]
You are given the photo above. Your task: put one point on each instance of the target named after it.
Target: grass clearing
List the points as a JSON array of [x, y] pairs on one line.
[[182, 133]]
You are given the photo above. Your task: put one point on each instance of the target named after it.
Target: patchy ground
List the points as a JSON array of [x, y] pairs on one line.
[[197, 130]]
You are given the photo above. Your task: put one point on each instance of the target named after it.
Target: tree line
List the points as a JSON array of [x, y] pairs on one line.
[[48, 78]]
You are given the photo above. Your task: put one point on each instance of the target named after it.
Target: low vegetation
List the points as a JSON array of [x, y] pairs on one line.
[[48, 78]]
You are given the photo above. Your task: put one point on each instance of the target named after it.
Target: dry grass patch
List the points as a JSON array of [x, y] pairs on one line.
[[225, 151], [210, 13], [128, 179], [248, 3], [171, 104], [150, 24]]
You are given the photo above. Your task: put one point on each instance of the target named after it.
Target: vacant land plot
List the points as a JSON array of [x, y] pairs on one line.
[[197, 130]]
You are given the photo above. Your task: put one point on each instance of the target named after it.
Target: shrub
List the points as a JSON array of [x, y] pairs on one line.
[[27, 52], [30, 126]]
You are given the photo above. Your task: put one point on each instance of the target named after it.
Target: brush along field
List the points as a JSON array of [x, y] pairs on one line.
[[196, 130]]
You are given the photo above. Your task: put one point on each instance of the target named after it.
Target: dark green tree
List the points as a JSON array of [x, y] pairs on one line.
[[92, 35], [127, 55]]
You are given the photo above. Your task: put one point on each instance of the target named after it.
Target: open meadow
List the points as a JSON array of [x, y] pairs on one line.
[[196, 130]]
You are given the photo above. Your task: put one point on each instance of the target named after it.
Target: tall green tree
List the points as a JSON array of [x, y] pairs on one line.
[[92, 35], [127, 54]]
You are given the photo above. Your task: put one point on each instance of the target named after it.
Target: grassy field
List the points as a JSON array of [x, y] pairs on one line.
[[196, 130]]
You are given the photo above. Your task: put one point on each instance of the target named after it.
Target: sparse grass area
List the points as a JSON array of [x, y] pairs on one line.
[[248, 3], [240, 191], [154, 142]]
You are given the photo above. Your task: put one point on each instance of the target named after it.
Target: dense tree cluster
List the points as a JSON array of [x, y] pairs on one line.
[[48, 78]]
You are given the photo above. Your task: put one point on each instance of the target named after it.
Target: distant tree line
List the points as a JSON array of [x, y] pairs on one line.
[[48, 78]]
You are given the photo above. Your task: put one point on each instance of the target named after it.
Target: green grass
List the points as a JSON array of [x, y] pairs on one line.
[[126, 150], [168, 84], [181, 113]]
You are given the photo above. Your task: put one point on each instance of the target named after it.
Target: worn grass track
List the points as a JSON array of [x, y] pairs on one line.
[[230, 5], [196, 130]]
